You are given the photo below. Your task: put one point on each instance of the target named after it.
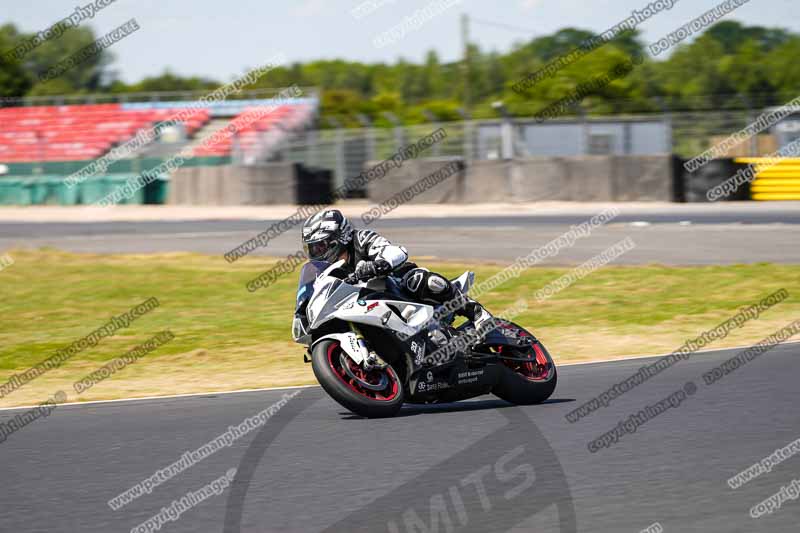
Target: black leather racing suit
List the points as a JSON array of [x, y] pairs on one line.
[[419, 283]]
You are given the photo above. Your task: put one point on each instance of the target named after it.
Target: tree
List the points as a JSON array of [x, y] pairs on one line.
[[14, 79], [731, 35], [563, 41], [784, 69], [341, 104], [172, 82], [431, 78], [85, 76], [714, 70]]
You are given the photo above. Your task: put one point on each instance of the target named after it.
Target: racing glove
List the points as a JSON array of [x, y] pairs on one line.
[[369, 269]]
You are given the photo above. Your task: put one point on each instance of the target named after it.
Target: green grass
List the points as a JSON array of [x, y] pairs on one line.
[[228, 338]]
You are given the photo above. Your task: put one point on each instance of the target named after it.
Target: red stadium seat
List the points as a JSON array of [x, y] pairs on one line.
[[251, 124], [75, 132]]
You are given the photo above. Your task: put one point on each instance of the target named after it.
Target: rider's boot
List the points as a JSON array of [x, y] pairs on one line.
[[474, 312]]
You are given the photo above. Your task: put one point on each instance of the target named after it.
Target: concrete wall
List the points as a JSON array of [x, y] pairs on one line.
[[540, 179], [643, 178], [272, 183], [582, 179], [397, 179], [482, 180]]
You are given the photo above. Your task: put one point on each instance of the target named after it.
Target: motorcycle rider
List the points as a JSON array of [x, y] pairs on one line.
[[329, 236]]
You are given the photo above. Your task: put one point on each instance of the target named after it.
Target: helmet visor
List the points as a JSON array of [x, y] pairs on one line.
[[318, 251]]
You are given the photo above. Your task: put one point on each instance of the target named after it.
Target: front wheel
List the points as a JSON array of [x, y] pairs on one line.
[[373, 394], [526, 382]]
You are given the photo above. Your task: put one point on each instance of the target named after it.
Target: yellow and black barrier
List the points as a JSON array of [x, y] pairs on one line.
[[774, 181]]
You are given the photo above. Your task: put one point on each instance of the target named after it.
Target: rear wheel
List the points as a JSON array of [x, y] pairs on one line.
[[372, 394], [531, 376]]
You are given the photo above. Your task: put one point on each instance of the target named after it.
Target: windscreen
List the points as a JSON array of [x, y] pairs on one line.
[[308, 274]]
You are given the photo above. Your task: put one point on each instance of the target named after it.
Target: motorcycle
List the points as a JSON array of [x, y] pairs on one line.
[[373, 349]]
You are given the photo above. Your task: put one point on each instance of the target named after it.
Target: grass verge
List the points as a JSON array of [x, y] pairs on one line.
[[228, 338]]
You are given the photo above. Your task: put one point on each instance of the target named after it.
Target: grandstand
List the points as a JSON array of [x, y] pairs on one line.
[[46, 143], [70, 133]]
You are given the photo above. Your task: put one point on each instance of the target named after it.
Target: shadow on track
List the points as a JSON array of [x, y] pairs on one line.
[[452, 407]]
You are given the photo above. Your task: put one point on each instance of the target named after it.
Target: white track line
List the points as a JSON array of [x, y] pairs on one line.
[[266, 389], [166, 397]]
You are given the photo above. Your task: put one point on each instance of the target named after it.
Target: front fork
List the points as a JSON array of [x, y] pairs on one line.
[[372, 360]]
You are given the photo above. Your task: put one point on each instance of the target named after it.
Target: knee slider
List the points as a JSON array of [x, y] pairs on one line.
[[437, 284]]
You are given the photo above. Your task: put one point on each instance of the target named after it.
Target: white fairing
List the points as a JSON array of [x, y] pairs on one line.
[[343, 303], [349, 343], [464, 281], [319, 307], [335, 299], [377, 313]]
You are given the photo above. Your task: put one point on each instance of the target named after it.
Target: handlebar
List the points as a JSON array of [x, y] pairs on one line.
[[352, 279]]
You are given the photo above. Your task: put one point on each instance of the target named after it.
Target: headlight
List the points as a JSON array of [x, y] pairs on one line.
[[298, 330]]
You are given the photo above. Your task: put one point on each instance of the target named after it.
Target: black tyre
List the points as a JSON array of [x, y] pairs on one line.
[[374, 394], [527, 383]]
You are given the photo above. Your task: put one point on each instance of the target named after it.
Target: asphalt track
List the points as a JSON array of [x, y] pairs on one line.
[[314, 467], [672, 236]]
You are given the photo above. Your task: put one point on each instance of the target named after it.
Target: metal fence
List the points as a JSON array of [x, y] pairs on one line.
[[684, 133], [346, 151]]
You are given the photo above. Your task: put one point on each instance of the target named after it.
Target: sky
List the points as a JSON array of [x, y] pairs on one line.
[[222, 40]]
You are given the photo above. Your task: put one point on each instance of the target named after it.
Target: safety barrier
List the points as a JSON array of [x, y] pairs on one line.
[[51, 190], [774, 181], [269, 183]]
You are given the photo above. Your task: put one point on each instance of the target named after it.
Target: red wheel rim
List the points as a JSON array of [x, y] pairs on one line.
[[538, 368], [373, 376]]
